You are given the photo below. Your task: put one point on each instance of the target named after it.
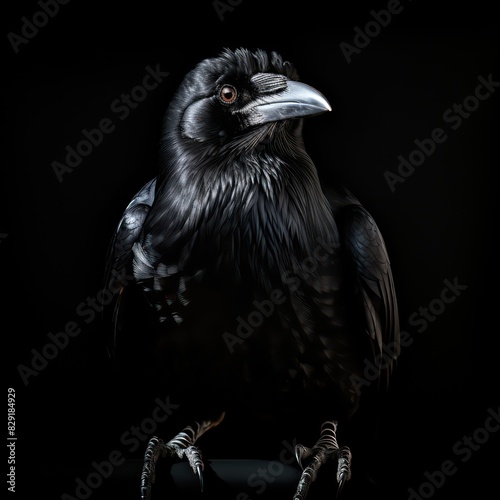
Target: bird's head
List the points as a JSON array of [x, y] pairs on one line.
[[240, 97]]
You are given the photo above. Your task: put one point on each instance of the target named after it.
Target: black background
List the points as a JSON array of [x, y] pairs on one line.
[[438, 224]]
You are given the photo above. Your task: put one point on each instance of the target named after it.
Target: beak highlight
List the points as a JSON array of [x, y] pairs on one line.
[[295, 101]]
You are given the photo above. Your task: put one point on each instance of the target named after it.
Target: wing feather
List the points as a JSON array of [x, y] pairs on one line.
[[370, 270], [368, 255]]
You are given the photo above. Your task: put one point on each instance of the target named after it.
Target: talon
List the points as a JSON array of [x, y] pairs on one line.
[[301, 452], [341, 481], [199, 472]]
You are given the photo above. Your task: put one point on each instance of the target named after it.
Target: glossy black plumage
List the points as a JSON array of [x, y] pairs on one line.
[[237, 218]]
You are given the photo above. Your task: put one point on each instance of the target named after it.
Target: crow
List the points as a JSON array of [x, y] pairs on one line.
[[251, 283]]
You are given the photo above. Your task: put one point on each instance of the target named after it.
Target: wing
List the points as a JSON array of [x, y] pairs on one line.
[[126, 234], [371, 276], [120, 255]]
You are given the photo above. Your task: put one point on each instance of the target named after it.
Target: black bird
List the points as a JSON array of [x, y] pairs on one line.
[[252, 284]]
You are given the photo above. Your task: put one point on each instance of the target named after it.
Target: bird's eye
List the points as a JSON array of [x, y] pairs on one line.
[[228, 94]]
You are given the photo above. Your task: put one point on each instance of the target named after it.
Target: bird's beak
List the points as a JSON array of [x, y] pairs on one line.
[[296, 100]]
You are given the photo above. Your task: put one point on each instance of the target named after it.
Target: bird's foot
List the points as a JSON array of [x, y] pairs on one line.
[[181, 446], [326, 448]]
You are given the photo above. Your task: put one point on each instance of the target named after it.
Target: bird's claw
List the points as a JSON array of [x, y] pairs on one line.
[[156, 447], [325, 449], [182, 446]]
